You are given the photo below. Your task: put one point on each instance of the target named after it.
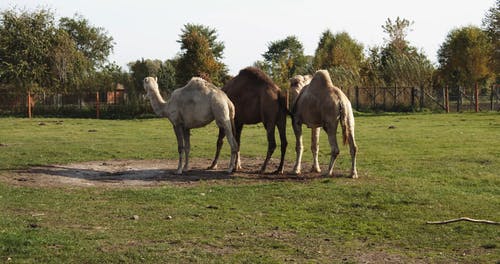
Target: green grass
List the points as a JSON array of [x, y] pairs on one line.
[[430, 167]]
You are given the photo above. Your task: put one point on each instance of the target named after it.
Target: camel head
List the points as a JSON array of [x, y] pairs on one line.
[[150, 85], [298, 82]]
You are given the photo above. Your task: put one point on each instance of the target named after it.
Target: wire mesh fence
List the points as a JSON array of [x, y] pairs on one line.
[[119, 104], [110, 105]]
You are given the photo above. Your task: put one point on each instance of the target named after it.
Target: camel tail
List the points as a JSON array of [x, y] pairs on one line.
[[346, 120], [232, 113], [283, 104]]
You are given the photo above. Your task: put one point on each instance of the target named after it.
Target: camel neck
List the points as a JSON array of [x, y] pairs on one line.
[[157, 102]]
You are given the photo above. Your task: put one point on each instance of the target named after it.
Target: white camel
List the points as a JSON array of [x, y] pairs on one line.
[[192, 106], [321, 104]]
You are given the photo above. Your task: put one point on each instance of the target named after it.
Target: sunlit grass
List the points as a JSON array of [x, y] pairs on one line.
[[429, 167]]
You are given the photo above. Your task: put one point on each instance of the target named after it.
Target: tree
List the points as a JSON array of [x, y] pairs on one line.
[[397, 32], [94, 46], [141, 69], [491, 24], [92, 41], [25, 47], [465, 55], [371, 70], [164, 71], [402, 64], [284, 59], [37, 54], [341, 55], [200, 55], [66, 63], [166, 76], [412, 69], [338, 50]]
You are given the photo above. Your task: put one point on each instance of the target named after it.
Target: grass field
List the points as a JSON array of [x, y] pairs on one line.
[[428, 167]]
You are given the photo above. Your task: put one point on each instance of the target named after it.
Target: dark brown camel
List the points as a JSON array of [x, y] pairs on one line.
[[256, 99]]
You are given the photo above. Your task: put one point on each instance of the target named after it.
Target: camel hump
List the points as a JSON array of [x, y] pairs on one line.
[[322, 79], [200, 84], [257, 75]]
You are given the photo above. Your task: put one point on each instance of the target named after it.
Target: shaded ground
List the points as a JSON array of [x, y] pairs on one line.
[[143, 173]]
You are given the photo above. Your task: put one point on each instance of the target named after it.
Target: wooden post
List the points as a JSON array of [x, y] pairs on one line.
[[459, 99], [29, 104], [446, 99], [356, 91], [422, 98], [384, 99], [413, 92], [97, 105], [491, 98], [476, 95], [394, 101], [374, 97]]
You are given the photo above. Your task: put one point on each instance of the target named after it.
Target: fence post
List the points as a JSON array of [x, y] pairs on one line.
[[97, 105], [476, 95], [374, 103], [356, 91], [422, 98], [446, 99], [29, 104], [384, 99], [413, 98], [394, 101], [491, 97]]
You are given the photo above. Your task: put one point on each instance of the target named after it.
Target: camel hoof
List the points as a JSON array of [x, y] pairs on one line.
[[178, 172], [326, 175], [212, 167], [296, 172], [354, 176], [315, 169], [278, 172]]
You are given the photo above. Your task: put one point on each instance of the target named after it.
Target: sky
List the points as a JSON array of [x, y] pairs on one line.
[[150, 29]]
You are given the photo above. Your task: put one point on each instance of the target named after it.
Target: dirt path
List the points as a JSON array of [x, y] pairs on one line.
[[142, 173]]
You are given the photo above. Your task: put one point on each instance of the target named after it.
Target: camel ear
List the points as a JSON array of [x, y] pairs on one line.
[[156, 79]]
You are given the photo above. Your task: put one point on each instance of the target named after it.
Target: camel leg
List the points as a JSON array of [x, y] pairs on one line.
[[238, 128], [187, 148], [180, 146], [284, 143], [220, 141], [331, 130], [297, 130], [353, 149], [315, 149], [271, 146], [234, 145]]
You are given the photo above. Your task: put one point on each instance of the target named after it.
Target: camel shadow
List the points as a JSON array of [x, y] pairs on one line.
[[145, 175], [149, 173]]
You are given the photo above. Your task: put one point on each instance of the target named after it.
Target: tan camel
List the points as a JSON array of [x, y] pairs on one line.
[[192, 106], [320, 104]]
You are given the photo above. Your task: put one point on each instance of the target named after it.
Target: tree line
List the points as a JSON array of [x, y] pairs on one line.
[[70, 55]]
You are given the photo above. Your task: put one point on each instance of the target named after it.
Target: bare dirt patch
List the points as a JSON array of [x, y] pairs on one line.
[[144, 173]]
